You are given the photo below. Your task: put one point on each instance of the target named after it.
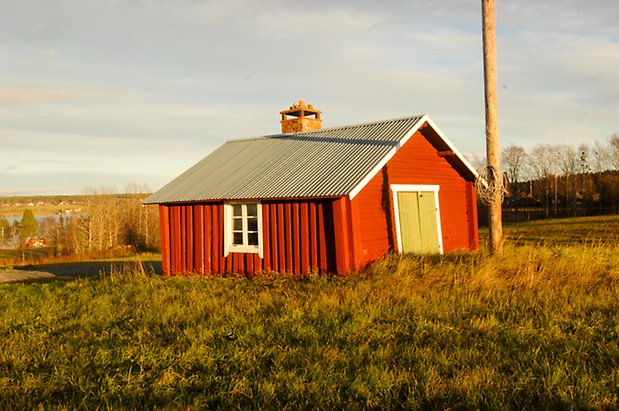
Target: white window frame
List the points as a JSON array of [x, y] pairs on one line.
[[397, 188], [229, 247]]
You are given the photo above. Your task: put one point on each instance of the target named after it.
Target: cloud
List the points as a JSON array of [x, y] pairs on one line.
[[61, 182], [33, 95], [49, 54]]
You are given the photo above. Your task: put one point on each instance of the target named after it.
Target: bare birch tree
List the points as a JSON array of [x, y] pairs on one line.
[[614, 151], [568, 163], [513, 158]]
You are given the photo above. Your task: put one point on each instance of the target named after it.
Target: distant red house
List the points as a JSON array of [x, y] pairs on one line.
[[36, 242], [328, 200]]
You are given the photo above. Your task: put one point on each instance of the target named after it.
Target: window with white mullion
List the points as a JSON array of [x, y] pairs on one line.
[[251, 221], [238, 236], [243, 231]]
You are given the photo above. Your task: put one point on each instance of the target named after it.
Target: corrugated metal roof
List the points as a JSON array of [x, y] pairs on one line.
[[320, 163]]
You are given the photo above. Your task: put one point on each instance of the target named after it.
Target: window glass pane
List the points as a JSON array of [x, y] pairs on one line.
[[252, 224], [252, 238], [237, 224], [238, 239], [237, 210], [252, 210]]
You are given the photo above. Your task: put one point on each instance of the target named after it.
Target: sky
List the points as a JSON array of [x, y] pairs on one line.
[[103, 94]]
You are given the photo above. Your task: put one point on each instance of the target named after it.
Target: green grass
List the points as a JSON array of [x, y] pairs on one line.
[[567, 231], [536, 328], [8, 256]]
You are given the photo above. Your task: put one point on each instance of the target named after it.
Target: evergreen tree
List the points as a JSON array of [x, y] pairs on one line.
[[4, 231], [28, 226]]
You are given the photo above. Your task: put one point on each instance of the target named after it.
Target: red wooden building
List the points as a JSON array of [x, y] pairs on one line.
[[329, 200]]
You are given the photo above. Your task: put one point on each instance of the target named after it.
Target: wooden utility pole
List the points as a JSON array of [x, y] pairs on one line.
[[493, 153]]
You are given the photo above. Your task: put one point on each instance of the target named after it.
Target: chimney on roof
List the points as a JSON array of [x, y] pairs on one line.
[[303, 117]]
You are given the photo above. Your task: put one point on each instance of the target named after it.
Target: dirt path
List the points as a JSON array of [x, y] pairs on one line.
[[73, 270], [12, 276]]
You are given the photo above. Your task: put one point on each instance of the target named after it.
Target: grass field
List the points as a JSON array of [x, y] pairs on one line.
[[569, 231], [38, 210], [536, 328], [13, 256]]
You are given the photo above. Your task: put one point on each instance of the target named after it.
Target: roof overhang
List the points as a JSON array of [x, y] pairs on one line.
[[440, 141]]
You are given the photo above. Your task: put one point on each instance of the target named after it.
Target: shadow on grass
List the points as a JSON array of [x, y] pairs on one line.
[[451, 257], [94, 268]]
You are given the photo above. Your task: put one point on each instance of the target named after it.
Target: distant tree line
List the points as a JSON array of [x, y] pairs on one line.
[[560, 180], [109, 222], [48, 199]]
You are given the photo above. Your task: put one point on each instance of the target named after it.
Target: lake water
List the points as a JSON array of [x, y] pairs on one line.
[[41, 218]]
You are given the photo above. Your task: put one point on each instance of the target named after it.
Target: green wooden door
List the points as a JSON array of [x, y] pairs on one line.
[[418, 222]]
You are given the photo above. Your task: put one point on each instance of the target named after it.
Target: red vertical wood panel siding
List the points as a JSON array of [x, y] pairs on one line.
[[378, 230], [164, 228], [224, 262], [266, 245], [173, 244], [471, 211], [250, 266], [216, 251], [357, 256], [258, 264], [296, 237], [340, 228], [228, 262], [198, 240], [288, 231], [175, 238], [322, 238], [182, 233], [273, 236], [189, 235], [247, 262], [304, 237], [207, 228], [234, 262], [183, 228], [281, 229], [313, 236]]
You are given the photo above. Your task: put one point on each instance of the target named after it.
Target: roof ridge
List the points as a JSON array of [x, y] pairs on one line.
[[335, 128]]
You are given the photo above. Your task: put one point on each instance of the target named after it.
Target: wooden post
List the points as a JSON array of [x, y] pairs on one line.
[[493, 153]]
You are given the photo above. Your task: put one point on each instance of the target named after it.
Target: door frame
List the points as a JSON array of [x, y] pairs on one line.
[[397, 188]]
